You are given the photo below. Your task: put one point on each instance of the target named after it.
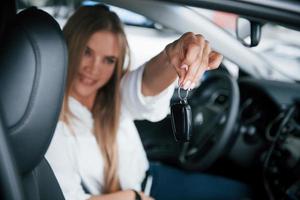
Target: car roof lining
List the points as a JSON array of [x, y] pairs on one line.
[[285, 14]]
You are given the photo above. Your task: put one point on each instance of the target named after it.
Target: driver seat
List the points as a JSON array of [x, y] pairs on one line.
[[33, 62]]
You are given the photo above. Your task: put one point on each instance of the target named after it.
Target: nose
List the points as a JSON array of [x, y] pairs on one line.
[[94, 66]]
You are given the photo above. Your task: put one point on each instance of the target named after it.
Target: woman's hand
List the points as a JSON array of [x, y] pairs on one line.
[[145, 197], [191, 55], [188, 57], [121, 195]]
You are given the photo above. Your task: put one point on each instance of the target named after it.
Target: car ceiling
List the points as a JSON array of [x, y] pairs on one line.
[[284, 12]]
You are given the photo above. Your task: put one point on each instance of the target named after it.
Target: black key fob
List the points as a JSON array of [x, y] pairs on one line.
[[181, 118]]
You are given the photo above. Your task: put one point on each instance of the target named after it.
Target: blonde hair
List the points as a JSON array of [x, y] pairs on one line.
[[106, 109]]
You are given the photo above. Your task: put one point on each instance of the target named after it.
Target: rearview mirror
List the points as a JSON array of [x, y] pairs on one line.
[[248, 32]]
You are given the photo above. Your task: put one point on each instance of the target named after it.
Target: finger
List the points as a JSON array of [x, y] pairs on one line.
[[175, 62], [215, 60], [172, 55], [143, 196], [203, 66], [193, 58], [193, 49], [201, 70], [188, 79], [197, 68], [181, 73]]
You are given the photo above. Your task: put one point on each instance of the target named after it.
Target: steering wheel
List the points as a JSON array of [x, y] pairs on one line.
[[214, 112]]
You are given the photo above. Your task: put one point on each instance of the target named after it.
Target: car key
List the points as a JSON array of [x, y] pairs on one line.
[[181, 117]]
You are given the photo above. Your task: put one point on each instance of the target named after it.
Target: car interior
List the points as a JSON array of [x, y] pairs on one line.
[[31, 98], [245, 128]]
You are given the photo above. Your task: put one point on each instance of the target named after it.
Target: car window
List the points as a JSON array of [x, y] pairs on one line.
[[279, 46], [128, 17], [146, 38], [224, 20]]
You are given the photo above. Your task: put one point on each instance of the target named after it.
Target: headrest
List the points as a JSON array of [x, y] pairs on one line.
[[7, 13], [33, 61]]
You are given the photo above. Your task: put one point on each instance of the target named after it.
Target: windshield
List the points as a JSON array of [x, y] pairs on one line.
[[276, 57], [279, 46]]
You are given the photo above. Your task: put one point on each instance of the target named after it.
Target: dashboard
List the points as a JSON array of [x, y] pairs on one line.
[[267, 143], [269, 134]]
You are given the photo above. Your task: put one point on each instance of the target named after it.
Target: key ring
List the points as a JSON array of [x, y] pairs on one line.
[[186, 94]]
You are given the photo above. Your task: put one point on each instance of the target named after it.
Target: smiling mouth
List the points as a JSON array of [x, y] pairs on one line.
[[86, 80]]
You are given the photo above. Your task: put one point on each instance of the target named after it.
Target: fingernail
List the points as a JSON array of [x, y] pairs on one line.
[[187, 85], [184, 66], [179, 82], [192, 86]]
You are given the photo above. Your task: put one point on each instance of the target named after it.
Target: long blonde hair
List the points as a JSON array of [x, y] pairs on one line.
[[106, 109]]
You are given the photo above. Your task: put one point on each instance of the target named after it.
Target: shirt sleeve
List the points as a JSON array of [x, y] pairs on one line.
[[152, 108], [61, 157]]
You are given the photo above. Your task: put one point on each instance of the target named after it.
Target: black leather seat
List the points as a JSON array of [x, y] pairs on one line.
[[33, 63]]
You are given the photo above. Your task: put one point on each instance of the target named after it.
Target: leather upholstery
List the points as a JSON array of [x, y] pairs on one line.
[[33, 62]]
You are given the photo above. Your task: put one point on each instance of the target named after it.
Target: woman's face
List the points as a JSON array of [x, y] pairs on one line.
[[97, 65]]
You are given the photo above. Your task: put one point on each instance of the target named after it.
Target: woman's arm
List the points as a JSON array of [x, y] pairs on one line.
[[121, 195], [188, 57], [158, 74]]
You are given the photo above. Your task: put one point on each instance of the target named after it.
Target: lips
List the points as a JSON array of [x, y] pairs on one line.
[[86, 80]]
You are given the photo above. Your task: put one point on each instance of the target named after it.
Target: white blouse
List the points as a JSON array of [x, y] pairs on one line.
[[75, 156]]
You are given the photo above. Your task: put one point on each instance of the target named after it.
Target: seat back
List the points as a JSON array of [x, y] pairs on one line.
[[33, 62]]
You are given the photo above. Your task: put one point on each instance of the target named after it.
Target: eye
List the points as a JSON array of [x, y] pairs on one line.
[[88, 51], [110, 60]]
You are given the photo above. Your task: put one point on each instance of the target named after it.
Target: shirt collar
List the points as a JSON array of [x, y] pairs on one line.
[[81, 112]]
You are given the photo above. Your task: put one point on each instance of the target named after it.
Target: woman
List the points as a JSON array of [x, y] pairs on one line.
[[96, 152]]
